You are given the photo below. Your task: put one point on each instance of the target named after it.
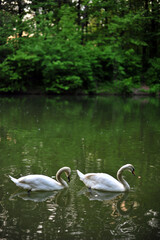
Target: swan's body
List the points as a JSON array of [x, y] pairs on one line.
[[38, 182], [105, 182]]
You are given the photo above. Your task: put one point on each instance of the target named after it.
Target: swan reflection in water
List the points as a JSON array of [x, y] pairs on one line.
[[57, 196], [115, 199]]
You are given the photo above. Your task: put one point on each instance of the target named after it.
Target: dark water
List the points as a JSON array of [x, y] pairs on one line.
[[93, 134]]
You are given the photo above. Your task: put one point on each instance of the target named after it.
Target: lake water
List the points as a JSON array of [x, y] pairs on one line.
[[40, 134]]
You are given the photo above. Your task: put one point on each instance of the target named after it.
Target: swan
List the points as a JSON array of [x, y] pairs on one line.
[[105, 182], [37, 182]]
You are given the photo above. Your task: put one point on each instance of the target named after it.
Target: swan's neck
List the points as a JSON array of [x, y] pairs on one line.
[[121, 179], [59, 179]]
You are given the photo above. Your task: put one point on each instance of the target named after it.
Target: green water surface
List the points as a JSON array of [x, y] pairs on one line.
[[40, 134]]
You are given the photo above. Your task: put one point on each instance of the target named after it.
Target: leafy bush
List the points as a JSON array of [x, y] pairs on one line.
[[153, 73], [155, 89], [17, 71], [87, 50], [125, 86]]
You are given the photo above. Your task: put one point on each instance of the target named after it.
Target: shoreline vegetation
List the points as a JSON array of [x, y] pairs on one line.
[[80, 47], [142, 91]]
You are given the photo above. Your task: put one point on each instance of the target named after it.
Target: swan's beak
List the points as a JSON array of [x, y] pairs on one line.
[[133, 172], [68, 178]]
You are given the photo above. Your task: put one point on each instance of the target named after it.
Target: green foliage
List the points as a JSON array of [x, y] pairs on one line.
[[7, 23], [5, 50], [155, 89], [121, 50], [153, 72], [68, 47], [16, 71], [124, 86], [58, 59]]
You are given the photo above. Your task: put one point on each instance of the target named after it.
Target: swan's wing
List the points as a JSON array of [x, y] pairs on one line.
[[90, 179], [37, 181], [102, 181]]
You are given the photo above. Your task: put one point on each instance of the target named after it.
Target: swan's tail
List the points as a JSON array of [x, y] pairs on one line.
[[19, 183], [81, 175], [14, 179]]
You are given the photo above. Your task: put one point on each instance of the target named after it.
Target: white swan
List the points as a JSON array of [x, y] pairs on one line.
[[38, 182], [105, 182]]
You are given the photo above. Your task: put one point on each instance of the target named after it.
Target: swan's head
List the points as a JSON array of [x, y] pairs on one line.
[[68, 173], [130, 168]]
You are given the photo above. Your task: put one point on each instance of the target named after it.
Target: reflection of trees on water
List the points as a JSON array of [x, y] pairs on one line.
[[32, 214], [113, 213], [129, 226], [6, 136], [69, 214], [126, 229], [153, 219], [97, 134]]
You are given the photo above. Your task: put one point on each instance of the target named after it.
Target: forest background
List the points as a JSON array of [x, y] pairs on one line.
[[79, 46]]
